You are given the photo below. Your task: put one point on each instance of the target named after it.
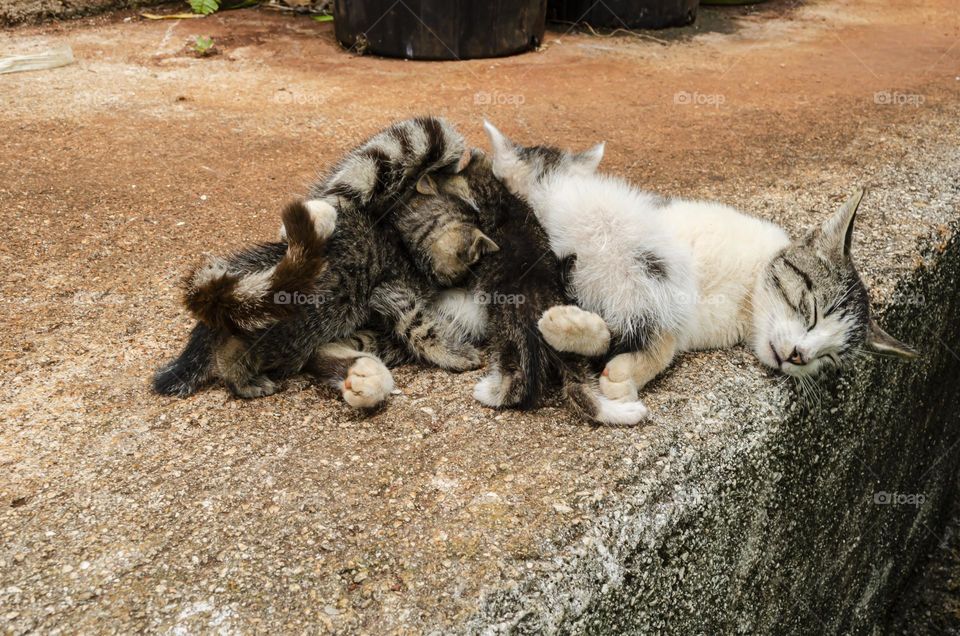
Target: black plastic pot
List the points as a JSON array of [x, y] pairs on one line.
[[440, 29], [625, 14]]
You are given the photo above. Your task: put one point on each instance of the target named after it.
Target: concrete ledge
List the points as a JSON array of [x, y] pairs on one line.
[[778, 523], [733, 509]]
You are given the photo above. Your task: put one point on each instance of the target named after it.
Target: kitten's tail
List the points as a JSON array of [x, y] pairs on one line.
[[234, 301], [191, 370]]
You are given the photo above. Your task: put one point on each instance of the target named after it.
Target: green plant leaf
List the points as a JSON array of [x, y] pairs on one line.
[[322, 18], [202, 45], [204, 7]]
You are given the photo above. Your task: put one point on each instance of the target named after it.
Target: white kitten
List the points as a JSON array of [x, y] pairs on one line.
[[628, 270]]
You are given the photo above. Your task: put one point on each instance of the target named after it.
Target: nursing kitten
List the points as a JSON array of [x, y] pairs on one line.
[[515, 286], [381, 171], [270, 311]]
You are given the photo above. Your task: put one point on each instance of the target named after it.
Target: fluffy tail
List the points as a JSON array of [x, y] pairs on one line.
[[191, 370], [236, 301]]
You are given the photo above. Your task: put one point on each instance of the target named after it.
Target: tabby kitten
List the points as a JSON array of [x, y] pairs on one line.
[[515, 286], [270, 311]]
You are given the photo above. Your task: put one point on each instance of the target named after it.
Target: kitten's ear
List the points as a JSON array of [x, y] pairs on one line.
[[464, 161], [836, 233], [481, 244], [426, 185], [589, 160], [502, 147], [882, 342]]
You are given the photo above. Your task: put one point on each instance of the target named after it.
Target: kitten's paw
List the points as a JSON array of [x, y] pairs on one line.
[[622, 413], [569, 328], [324, 217], [368, 383], [617, 381], [457, 358], [488, 390], [255, 388]]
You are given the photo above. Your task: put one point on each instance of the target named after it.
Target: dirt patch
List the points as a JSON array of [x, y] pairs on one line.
[[122, 508]]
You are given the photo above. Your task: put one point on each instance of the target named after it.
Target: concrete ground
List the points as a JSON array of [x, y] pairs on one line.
[[121, 511]]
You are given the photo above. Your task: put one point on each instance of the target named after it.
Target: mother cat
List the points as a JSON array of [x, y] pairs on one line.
[[656, 276]]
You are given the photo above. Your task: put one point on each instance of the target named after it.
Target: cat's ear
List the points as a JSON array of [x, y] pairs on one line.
[[427, 186], [503, 148], [589, 160], [481, 244], [836, 234], [465, 160], [880, 341]]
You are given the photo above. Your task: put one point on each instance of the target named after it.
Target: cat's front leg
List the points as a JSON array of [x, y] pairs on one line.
[[571, 329], [362, 379], [627, 373]]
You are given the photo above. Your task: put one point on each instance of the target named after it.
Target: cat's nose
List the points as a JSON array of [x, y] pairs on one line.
[[796, 357]]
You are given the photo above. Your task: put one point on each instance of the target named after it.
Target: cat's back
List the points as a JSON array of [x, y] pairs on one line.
[[707, 227]]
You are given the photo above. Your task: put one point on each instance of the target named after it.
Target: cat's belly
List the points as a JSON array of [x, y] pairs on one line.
[[717, 323]]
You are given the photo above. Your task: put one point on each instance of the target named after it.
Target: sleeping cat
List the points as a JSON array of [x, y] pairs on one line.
[[348, 264], [800, 305]]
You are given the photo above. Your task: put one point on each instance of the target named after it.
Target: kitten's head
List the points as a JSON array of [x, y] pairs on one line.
[[522, 168], [811, 308], [453, 243]]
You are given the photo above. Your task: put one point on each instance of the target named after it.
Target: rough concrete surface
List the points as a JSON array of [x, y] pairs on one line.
[[930, 604], [739, 507]]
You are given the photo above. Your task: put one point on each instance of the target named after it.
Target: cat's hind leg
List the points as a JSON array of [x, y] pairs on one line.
[[568, 328], [627, 373], [350, 367], [239, 366]]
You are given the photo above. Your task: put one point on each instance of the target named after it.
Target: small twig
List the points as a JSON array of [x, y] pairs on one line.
[[642, 36], [308, 10]]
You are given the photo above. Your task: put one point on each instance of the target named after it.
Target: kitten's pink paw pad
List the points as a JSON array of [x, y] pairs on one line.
[[368, 383], [569, 328]]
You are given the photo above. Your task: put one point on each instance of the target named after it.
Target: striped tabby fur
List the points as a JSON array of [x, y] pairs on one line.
[[516, 285], [363, 274]]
